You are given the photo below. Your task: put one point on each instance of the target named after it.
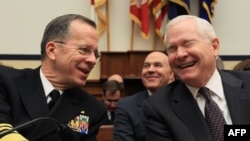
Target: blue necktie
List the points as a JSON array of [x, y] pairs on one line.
[[213, 116]]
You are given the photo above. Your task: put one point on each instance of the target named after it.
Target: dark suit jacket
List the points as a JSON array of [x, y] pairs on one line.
[[174, 115], [128, 124], [107, 121], [22, 99]]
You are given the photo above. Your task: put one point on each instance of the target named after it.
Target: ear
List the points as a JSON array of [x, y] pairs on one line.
[[171, 77], [216, 46], [50, 50]]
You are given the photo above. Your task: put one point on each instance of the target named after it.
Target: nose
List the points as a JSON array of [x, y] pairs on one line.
[[181, 52], [151, 68], [91, 58], [113, 104]]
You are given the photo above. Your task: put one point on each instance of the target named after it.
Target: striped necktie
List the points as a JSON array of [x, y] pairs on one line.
[[213, 116]]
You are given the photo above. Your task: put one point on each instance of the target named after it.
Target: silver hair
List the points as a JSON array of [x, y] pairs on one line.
[[204, 28]]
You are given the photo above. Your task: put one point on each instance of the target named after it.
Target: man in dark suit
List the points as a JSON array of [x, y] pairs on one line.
[[155, 74], [68, 54], [112, 92], [179, 111]]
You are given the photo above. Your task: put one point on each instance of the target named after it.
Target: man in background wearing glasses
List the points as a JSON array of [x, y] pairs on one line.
[[69, 51]]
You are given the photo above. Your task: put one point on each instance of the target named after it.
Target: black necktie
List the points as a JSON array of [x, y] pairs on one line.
[[54, 97], [112, 114], [213, 116]]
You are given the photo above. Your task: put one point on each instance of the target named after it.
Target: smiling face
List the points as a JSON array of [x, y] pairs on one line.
[[156, 71], [192, 57], [66, 65]]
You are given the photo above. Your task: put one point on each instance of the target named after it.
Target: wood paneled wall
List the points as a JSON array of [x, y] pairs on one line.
[[127, 64]]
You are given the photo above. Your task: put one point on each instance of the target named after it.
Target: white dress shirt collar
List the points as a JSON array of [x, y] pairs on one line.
[[214, 84], [47, 86]]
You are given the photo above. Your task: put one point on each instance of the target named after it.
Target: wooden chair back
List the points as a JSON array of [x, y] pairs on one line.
[[105, 133]]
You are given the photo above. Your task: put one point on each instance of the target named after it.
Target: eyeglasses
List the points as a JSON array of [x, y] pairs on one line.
[[83, 50], [111, 101]]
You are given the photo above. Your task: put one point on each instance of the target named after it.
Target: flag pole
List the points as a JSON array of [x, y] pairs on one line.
[[132, 35], [154, 41], [107, 26]]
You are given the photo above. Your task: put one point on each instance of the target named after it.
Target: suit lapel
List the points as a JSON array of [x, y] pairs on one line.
[[32, 93], [68, 106], [71, 103], [140, 99], [188, 111], [237, 99]]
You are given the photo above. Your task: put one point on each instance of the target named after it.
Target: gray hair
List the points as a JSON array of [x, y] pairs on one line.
[[204, 28], [58, 29]]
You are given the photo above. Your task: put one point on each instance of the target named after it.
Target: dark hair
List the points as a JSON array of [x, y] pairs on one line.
[[112, 86], [243, 66], [58, 29]]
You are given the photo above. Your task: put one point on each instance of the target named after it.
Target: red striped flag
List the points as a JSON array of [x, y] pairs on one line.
[[207, 9], [160, 9], [140, 14]]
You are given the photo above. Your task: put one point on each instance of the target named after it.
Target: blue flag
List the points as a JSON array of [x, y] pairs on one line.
[[178, 7], [207, 9]]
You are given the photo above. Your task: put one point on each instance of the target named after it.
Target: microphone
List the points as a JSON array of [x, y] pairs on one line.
[[65, 132]]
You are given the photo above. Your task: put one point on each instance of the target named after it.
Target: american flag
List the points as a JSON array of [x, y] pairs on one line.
[[140, 14], [160, 9]]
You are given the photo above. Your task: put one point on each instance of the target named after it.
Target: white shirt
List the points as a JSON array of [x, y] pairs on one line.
[[109, 115], [217, 94], [47, 86], [149, 93]]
